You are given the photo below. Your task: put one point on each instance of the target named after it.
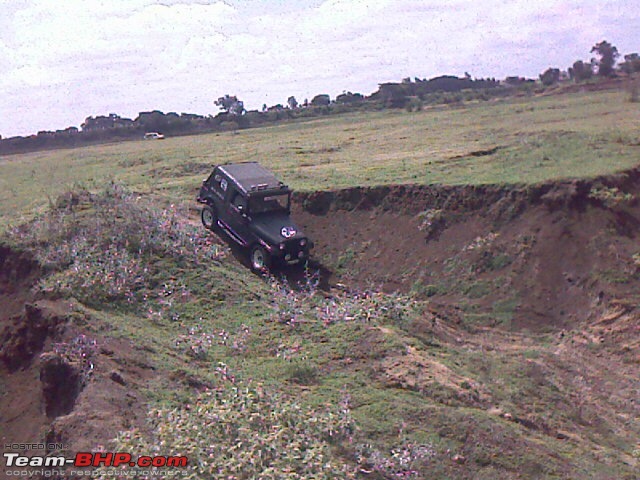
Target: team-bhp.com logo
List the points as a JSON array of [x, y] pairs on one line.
[[90, 459]]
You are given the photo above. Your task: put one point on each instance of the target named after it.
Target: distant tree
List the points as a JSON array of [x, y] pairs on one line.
[[154, 121], [393, 95], [550, 76], [292, 102], [631, 63], [608, 54], [264, 107], [580, 71], [321, 100], [514, 80], [230, 104], [348, 97]]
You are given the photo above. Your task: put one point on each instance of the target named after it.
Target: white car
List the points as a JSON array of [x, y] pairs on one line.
[[153, 136]]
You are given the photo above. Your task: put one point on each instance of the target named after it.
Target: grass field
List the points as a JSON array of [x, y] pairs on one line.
[[524, 140]]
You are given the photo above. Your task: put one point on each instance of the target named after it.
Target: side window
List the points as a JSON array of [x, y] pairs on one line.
[[239, 202], [219, 184]]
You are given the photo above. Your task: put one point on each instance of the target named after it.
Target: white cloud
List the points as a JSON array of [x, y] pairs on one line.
[[63, 61]]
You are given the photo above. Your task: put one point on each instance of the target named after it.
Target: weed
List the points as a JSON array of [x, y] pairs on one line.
[[242, 430], [346, 259], [477, 289], [504, 310], [432, 221], [79, 351], [419, 289], [288, 306], [614, 276], [611, 197], [197, 342], [405, 460], [302, 373], [500, 261], [481, 242], [103, 254]]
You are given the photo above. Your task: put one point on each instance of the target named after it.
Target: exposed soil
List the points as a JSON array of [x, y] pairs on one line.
[[558, 252], [493, 260], [55, 388]]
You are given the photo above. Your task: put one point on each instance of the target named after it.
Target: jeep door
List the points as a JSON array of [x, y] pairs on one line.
[[236, 215]]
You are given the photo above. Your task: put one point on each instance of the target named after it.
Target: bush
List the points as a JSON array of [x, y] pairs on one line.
[[245, 432], [101, 246], [610, 197]]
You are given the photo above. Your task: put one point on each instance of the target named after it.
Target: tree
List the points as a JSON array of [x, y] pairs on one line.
[[631, 63], [608, 55], [348, 97], [550, 76], [293, 103], [321, 100], [230, 104], [580, 71]]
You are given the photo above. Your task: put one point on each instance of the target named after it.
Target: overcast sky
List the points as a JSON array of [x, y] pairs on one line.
[[61, 61]]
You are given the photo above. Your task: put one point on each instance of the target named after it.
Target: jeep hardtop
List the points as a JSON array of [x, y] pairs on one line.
[[253, 207]]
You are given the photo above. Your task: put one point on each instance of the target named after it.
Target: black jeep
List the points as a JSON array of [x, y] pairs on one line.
[[252, 206]]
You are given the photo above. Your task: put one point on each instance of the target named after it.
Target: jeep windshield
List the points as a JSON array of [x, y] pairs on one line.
[[278, 202]]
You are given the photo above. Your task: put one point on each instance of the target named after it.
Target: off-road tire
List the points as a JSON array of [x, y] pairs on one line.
[[209, 217], [260, 259]]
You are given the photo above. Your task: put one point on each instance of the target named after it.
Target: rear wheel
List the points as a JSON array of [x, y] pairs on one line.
[[260, 259], [208, 217]]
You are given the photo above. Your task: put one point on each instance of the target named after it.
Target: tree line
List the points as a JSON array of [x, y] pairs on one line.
[[603, 65], [409, 94]]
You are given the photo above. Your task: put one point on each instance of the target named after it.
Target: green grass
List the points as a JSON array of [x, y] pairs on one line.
[[532, 140]]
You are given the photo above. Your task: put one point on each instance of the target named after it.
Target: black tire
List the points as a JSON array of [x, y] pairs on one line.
[[260, 259], [209, 217]]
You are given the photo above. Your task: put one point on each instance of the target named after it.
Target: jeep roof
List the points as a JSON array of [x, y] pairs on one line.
[[252, 177]]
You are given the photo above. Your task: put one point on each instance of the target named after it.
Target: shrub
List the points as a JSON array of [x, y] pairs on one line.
[[302, 373], [610, 197], [292, 307], [196, 342], [101, 245], [432, 222], [244, 432], [80, 351], [403, 461]]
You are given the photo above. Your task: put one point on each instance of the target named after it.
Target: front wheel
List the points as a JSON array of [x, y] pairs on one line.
[[208, 217], [260, 259]]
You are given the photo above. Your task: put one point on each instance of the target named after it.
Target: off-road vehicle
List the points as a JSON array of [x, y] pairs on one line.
[[253, 207]]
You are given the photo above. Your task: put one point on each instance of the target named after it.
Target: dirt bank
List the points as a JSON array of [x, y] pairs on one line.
[[60, 381], [535, 256]]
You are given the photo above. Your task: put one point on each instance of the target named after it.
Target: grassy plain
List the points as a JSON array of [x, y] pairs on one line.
[[520, 140]]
